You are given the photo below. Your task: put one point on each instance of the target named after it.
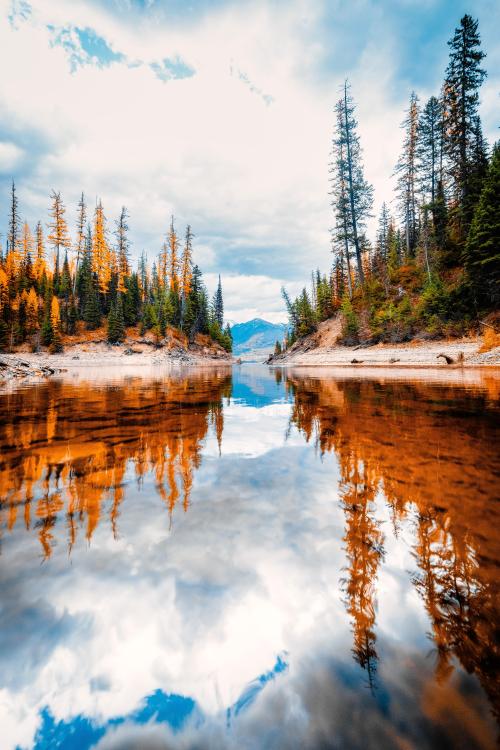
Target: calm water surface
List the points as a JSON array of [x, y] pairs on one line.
[[249, 559]]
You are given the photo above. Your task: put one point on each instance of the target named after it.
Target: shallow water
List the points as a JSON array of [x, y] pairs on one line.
[[249, 559]]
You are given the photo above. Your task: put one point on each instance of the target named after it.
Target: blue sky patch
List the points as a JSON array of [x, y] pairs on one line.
[[172, 68], [96, 47], [83, 47], [81, 733]]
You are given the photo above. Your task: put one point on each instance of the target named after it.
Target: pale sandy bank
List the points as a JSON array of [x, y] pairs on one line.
[[463, 352]]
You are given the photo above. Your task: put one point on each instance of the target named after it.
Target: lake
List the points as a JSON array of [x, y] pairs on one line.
[[250, 559]]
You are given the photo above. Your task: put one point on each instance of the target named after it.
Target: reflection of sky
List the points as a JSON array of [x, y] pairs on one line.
[[226, 630]]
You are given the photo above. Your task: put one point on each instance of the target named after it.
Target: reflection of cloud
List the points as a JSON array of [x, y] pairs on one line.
[[250, 570], [323, 707], [30, 634]]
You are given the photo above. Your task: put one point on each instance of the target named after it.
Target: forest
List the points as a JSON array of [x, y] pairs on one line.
[[50, 293], [434, 268]]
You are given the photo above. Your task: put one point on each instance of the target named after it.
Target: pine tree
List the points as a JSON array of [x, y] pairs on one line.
[[14, 223], [218, 306], [116, 326], [482, 250], [464, 76], [81, 224], [429, 150], [406, 170], [379, 264], [353, 196], [187, 263], [123, 246], [91, 312], [340, 200]]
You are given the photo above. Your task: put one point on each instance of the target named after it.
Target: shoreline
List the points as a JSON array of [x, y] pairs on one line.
[[33, 366], [457, 355]]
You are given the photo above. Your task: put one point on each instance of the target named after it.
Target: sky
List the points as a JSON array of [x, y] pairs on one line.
[[219, 113]]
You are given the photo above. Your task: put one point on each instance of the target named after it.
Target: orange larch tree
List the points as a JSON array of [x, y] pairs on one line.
[[101, 257], [59, 236]]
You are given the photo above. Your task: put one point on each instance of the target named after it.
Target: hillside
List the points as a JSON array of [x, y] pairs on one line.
[[256, 338]]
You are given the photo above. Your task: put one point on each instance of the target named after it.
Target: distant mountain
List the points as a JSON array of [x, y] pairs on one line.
[[256, 338]]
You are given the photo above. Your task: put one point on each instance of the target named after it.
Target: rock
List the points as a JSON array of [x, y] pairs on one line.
[[13, 367]]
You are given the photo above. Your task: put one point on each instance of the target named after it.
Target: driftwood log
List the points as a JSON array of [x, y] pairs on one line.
[[449, 360]]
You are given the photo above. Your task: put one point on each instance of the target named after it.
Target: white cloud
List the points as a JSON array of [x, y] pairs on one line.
[[240, 149], [10, 156], [251, 296]]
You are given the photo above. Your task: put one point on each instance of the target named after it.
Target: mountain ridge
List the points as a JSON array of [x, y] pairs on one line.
[[256, 336]]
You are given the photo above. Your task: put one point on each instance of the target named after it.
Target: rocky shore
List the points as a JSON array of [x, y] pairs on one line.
[[321, 349]]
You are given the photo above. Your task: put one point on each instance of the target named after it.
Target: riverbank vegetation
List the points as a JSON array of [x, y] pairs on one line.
[[52, 286], [434, 268]]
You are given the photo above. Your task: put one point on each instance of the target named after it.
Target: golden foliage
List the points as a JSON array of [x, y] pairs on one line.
[[55, 314], [491, 339], [101, 254], [61, 465]]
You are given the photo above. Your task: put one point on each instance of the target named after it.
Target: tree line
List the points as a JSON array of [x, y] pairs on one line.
[[89, 282], [434, 267]]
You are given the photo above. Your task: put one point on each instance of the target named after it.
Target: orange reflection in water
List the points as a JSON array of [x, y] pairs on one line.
[[65, 447], [432, 453]]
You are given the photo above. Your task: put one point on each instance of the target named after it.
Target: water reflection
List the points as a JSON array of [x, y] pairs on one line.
[[65, 448], [315, 519], [431, 451]]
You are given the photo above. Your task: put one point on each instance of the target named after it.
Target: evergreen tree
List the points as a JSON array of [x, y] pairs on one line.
[[353, 196], [464, 76], [131, 300], [429, 150], [340, 200], [482, 250], [14, 222], [116, 326], [406, 171], [123, 248], [81, 224], [218, 306]]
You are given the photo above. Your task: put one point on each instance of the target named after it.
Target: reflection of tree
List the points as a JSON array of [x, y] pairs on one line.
[[73, 459], [363, 540], [463, 610], [433, 451]]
